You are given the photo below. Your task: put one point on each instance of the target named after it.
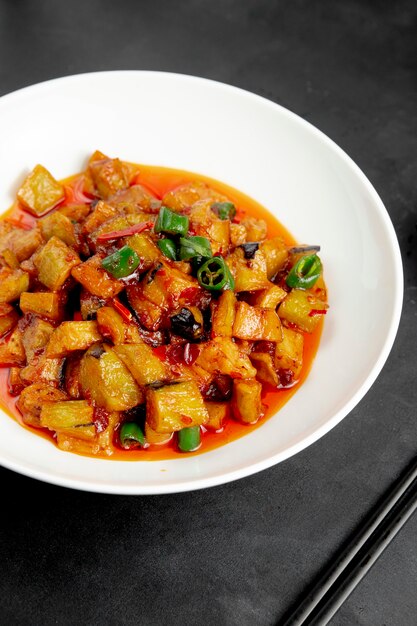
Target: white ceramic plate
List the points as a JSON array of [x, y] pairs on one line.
[[286, 164]]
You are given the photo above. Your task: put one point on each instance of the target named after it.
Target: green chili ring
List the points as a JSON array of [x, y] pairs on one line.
[[305, 273], [215, 275]]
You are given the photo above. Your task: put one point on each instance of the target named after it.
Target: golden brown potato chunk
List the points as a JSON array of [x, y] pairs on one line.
[[54, 263], [33, 398], [175, 406], [45, 304], [40, 191], [72, 336], [107, 381], [12, 351], [256, 324], [8, 318], [303, 309], [12, 284], [246, 401], [96, 280]]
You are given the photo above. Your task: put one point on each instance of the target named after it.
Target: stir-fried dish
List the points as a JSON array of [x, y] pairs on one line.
[[135, 320]]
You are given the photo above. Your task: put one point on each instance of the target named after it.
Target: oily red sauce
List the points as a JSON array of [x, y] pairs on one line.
[[160, 180]]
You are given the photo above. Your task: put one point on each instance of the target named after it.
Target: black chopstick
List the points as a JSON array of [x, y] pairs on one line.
[[325, 597]]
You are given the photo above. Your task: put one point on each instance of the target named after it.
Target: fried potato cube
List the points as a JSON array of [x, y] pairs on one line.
[[218, 414], [265, 367], [58, 225], [45, 304], [134, 198], [289, 353], [109, 176], [22, 243], [72, 376], [256, 324], [255, 229], [12, 284], [276, 255], [101, 213], [12, 351], [303, 309], [145, 248], [107, 381], [223, 315], [186, 195], [54, 263], [42, 369], [175, 406], [149, 314], [237, 234], [35, 336], [154, 438], [90, 304], [105, 439], [10, 259], [269, 298], [72, 417], [72, 336], [8, 318], [205, 223], [222, 354], [76, 212], [164, 286], [246, 401], [40, 192], [112, 326], [34, 397], [15, 382], [96, 280], [249, 274], [140, 360], [69, 443]]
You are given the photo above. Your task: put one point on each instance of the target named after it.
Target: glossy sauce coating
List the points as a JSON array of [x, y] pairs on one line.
[[160, 180]]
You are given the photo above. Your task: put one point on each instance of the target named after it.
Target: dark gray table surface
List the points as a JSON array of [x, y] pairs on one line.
[[243, 553]]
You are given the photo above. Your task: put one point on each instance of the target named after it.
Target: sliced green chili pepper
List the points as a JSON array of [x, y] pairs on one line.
[[189, 439], [168, 248], [194, 246], [224, 210], [215, 275], [197, 262], [121, 263], [131, 436], [305, 273], [171, 223]]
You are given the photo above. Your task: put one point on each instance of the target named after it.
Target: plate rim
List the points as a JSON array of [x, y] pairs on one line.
[[319, 431]]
